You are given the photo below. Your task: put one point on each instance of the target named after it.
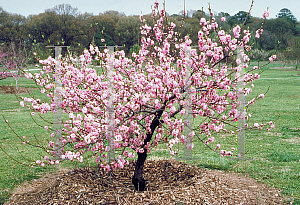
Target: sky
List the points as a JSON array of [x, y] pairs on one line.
[[136, 7]]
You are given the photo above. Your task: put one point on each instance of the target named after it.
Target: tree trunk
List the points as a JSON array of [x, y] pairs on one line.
[[137, 179]]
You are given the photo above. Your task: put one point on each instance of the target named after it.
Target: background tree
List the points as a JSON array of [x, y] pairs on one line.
[[292, 52], [115, 15], [282, 30], [240, 18], [83, 38], [267, 41], [65, 18], [287, 14], [103, 27], [5, 64], [128, 28], [199, 14], [14, 58], [191, 27], [42, 26], [12, 27]]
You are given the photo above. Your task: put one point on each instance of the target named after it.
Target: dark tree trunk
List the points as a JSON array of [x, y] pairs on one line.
[[138, 180]]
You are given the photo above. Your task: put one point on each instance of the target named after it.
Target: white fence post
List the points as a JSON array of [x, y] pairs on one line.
[[240, 114], [110, 106], [188, 117], [58, 101]]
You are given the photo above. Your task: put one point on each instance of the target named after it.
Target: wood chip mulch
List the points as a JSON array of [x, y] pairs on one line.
[[167, 182], [6, 89]]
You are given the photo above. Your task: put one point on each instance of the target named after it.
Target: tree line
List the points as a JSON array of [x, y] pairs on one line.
[[64, 24]]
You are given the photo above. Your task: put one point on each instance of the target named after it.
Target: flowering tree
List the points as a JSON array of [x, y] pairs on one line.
[[150, 92], [5, 64], [13, 57]]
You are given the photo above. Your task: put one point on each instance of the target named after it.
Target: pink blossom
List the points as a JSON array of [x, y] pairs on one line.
[[118, 138], [172, 110], [223, 19], [191, 134], [236, 30], [182, 112], [202, 21], [224, 117], [175, 132], [156, 4], [131, 155], [158, 136], [190, 146], [265, 14]]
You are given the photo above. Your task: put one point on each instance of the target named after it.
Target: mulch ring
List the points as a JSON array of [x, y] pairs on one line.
[[6, 89], [167, 182]]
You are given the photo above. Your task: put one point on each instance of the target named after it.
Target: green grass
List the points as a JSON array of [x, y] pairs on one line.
[[276, 153]]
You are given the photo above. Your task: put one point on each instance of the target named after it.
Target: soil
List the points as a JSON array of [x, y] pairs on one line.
[[167, 182], [6, 89]]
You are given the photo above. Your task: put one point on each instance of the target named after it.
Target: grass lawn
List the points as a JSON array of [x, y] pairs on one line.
[[276, 153]]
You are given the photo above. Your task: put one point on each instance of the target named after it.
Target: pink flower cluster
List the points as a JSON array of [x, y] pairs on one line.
[[226, 153], [266, 14], [273, 57], [5, 74]]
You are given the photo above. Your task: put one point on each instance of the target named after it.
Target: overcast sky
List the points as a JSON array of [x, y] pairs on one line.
[[134, 7]]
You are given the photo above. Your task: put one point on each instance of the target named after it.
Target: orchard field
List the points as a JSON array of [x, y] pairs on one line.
[[275, 154]]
